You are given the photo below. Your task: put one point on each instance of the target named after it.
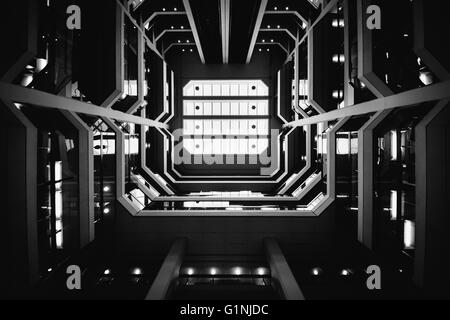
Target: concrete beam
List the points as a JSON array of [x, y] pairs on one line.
[[259, 19], [169, 271], [46, 100], [281, 272]]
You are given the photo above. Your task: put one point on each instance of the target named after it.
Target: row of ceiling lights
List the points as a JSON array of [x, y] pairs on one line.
[[236, 271]]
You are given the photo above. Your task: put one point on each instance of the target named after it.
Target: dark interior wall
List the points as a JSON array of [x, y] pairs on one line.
[[188, 66], [18, 267], [234, 236], [17, 15], [437, 219], [435, 22], [98, 50], [156, 85]]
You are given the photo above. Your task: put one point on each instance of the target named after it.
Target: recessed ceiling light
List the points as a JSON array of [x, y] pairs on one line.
[[136, 271], [346, 272], [316, 271], [261, 271], [237, 271]]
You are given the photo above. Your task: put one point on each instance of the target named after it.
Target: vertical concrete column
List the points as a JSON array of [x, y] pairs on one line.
[[366, 155], [432, 256], [85, 179], [349, 92], [19, 244]]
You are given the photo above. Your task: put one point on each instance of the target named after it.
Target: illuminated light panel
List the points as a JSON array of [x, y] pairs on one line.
[[394, 204], [223, 88], [409, 234], [223, 135]]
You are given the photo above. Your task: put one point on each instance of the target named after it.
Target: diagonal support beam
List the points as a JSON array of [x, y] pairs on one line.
[[281, 271], [170, 31], [225, 17], [188, 9], [409, 98], [259, 19], [280, 30], [148, 22], [295, 13], [169, 271], [46, 100]]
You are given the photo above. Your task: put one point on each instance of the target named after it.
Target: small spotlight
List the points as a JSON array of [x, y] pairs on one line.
[[107, 272], [213, 271], [271, 40], [275, 8], [268, 26], [316, 271], [106, 189], [190, 271], [278, 27], [49, 269], [261, 271], [237, 271], [106, 211], [346, 272], [163, 9], [287, 8], [175, 9], [172, 27], [179, 41], [182, 27], [136, 271]]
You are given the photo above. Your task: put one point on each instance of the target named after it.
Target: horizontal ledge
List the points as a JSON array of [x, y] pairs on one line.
[[227, 199], [225, 98], [224, 213], [46, 100]]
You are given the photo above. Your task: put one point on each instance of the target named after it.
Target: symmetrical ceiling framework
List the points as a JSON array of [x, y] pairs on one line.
[[328, 86], [108, 117]]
